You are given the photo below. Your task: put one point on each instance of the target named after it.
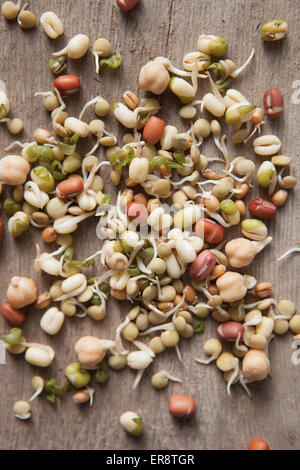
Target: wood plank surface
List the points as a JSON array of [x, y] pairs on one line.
[[169, 28]]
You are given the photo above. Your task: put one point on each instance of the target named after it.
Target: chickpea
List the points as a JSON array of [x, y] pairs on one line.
[[256, 365], [89, 350]]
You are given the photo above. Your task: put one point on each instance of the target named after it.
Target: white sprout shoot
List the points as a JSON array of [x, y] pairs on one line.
[[217, 217], [59, 109], [18, 144], [37, 192], [133, 254], [43, 93], [142, 266], [170, 377], [97, 55], [143, 347], [74, 301], [243, 384], [57, 252], [93, 256], [91, 192], [87, 105], [165, 326], [22, 9], [267, 348], [250, 281], [240, 347], [261, 245], [91, 392], [289, 252], [209, 296], [218, 248], [178, 353], [236, 178], [183, 180], [181, 265], [234, 376], [205, 362], [159, 295], [215, 90], [137, 111], [171, 68], [35, 224], [94, 170], [194, 76], [202, 183], [188, 163], [255, 304], [118, 340], [101, 295], [143, 276], [66, 225], [121, 214], [74, 293], [97, 145], [200, 141], [60, 268], [193, 309], [220, 143], [138, 378], [105, 276], [154, 245], [160, 312], [39, 390], [152, 178], [253, 322], [256, 129], [242, 67]]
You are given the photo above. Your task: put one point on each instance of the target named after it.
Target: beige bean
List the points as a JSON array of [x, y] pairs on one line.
[[266, 145]]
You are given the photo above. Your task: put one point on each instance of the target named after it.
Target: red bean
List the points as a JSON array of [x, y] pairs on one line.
[[69, 188], [153, 130], [137, 212], [262, 208], [67, 85], [230, 330], [209, 230], [273, 102], [203, 265], [14, 316], [127, 5], [182, 406], [258, 444]]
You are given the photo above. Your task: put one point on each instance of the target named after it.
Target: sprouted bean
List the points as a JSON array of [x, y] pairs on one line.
[[63, 189]]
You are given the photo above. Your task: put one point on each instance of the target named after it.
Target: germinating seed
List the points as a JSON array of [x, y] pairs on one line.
[[174, 274]]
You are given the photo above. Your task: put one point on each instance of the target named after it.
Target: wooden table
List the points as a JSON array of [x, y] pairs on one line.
[[169, 28]]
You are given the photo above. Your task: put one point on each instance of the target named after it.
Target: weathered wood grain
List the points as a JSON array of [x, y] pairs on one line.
[[169, 28]]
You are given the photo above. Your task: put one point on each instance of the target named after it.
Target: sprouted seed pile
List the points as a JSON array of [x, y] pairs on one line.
[[162, 242]]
